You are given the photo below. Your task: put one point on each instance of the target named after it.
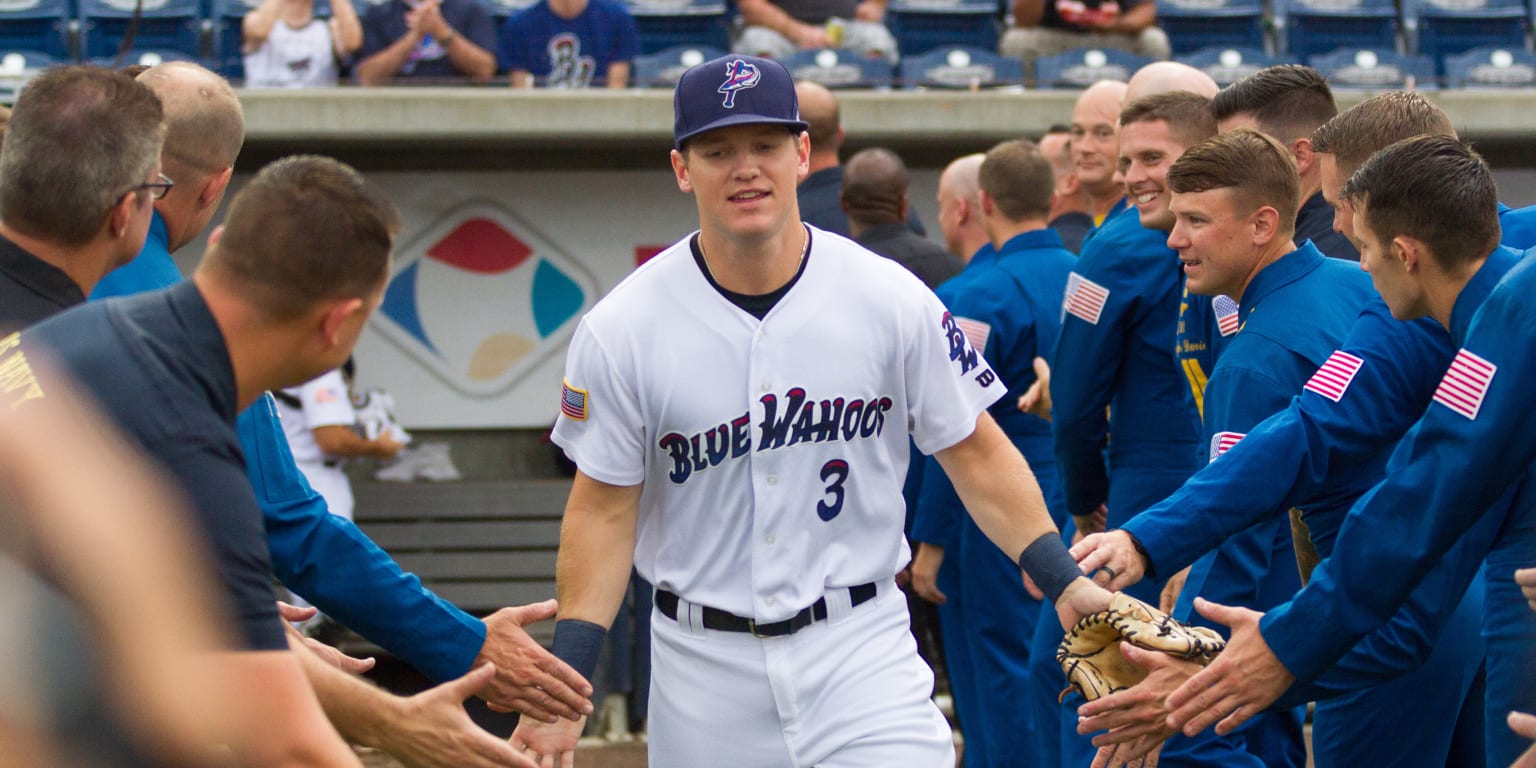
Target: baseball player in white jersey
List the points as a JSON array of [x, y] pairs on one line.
[[739, 409]]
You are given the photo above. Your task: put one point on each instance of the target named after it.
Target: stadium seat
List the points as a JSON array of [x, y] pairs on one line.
[[961, 67], [1083, 67], [1306, 28], [839, 68], [38, 26], [1228, 65], [1491, 67], [17, 66], [148, 57], [667, 23], [226, 16], [662, 69], [163, 26], [1439, 28], [1193, 25], [1375, 69], [922, 25]]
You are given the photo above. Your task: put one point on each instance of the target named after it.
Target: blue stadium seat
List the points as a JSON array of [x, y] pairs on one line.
[[1306, 28], [1193, 25], [1439, 28], [146, 56], [1227, 65], [922, 25], [1083, 67], [226, 16], [662, 69], [1491, 67], [40, 26], [961, 67], [164, 25], [1348, 68], [839, 68], [666, 23], [17, 66]]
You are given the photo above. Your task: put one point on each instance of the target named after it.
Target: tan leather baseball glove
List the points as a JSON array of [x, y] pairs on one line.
[[1090, 653]]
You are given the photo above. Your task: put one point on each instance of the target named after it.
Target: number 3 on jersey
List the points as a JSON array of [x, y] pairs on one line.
[[834, 473]]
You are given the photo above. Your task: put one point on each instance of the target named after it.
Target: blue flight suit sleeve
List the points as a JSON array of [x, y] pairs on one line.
[[1290, 456], [1445, 474], [331, 563], [1084, 370]]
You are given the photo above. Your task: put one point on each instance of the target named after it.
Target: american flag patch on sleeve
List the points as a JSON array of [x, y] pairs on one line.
[[1085, 298], [1466, 384], [1227, 320], [975, 332], [1221, 442], [573, 402], [1333, 378]]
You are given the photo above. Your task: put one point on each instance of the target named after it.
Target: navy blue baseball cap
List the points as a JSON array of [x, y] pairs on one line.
[[734, 90]]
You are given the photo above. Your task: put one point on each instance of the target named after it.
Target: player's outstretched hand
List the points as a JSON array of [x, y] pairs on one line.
[[1036, 400], [1111, 558], [925, 572], [1242, 682], [552, 745], [351, 665], [433, 730], [1524, 725], [1079, 599], [530, 679], [1526, 578], [1136, 719]]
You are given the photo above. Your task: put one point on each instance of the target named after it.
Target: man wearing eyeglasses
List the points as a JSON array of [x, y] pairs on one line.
[[78, 178]]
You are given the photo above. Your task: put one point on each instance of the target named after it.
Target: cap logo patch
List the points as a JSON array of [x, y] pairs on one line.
[[739, 76]]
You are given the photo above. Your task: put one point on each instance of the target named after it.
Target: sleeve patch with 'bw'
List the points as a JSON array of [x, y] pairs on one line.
[[1332, 380], [1085, 298], [1221, 442], [1466, 384]]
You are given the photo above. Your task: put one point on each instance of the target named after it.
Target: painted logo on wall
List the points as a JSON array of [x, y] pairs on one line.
[[480, 298]]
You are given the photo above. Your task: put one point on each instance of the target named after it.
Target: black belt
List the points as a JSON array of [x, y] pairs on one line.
[[714, 618]]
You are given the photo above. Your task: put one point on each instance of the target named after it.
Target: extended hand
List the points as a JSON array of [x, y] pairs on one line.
[[1525, 725], [529, 679], [434, 731], [1079, 599], [1135, 719], [1111, 558], [551, 744], [1037, 399], [925, 572], [1242, 682]]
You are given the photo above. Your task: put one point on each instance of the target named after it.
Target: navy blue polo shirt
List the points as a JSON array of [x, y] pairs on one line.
[[158, 366]]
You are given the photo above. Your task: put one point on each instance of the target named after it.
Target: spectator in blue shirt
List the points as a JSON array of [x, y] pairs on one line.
[[569, 44], [428, 40]]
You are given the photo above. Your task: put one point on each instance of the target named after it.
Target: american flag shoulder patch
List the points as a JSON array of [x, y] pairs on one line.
[[1227, 321], [1085, 298], [1333, 378], [1466, 384], [573, 402], [1221, 442], [975, 331]]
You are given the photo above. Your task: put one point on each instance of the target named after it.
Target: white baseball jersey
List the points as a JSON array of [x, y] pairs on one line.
[[324, 402], [772, 452]]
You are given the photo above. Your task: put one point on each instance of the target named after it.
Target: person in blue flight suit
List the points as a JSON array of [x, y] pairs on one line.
[[314, 553], [1118, 326], [1472, 446], [935, 529], [1344, 424], [1010, 307]]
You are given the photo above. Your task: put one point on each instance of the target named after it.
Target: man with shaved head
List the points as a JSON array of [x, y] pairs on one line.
[[1095, 124], [1168, 76], [874, 196]]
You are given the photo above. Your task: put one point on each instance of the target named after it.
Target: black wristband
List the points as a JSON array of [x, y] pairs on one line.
[[1048, 562], [578, 643]]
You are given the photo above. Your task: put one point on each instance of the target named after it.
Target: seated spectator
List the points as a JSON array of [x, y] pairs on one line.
[[569, 44], [285, 46], [875, 198], [427, 39], [1048, 27], [778, 28]]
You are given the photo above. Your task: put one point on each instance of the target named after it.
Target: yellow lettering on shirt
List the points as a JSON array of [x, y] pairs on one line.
[[17, 382]]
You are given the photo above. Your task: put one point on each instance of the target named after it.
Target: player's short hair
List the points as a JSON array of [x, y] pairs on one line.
[[305, 229], [1287, 101], [874, 186], [79, 138], [1366, 128], [1434, 189], [205, 125], [1260, 170], [1187, 114], [1019, 179]]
